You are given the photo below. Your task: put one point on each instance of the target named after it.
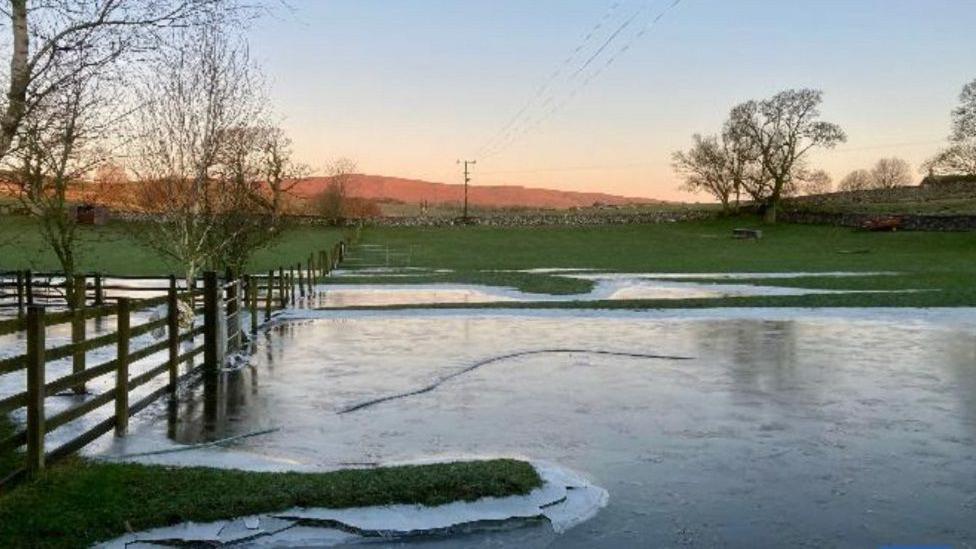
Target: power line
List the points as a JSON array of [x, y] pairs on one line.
[[524, 119], [887, 146], [556, 107], [576, 168], [556, 73]]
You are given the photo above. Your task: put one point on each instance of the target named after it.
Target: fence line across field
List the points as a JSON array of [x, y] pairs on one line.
[[226, 301]]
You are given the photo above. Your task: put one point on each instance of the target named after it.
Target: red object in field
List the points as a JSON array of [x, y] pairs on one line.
[[882, 224]]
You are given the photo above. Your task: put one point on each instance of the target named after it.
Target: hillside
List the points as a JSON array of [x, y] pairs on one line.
[[412, 191]]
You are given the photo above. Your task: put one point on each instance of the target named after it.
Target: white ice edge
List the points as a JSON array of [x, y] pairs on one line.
[[920, 317], [566, 499]]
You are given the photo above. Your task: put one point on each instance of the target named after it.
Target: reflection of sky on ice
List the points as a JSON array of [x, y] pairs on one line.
[[60, 334], [825, 426]]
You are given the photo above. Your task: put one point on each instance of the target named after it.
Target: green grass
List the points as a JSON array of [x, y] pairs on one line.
[[79, 502], [112, 249], [82, 502], [943, 262], [9, 460]]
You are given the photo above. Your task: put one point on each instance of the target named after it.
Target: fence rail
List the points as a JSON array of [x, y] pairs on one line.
[[229, 303]]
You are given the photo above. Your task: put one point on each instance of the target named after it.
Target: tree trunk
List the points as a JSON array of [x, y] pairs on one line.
[[19, 76], [770, 214]]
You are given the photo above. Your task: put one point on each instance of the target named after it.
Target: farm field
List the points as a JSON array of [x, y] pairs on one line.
[[938, 266], [112, 249]]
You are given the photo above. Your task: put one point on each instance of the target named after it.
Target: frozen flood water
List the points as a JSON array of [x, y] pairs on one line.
[[850, 428], [605, 287]]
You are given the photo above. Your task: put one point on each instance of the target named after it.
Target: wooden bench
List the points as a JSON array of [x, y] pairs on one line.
[[747, 234]]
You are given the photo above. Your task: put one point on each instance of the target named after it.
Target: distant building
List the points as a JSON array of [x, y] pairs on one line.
[[90, 214], [933, 180]]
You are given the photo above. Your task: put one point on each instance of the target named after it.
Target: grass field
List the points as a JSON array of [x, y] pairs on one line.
[[79, 502], [111, 249], [943, 264]]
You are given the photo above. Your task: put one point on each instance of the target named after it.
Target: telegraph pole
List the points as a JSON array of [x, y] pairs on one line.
[[467, 179]]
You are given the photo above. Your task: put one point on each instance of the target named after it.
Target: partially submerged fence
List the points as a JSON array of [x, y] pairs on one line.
[[229, 305], [20, 289]]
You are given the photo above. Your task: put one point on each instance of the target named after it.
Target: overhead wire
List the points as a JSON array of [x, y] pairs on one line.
[[553, 76], [554, 106]]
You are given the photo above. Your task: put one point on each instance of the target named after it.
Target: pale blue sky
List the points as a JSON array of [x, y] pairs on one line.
[[405, 87]]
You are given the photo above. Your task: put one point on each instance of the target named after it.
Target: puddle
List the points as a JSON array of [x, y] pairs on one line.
[[786, 427], [606, 287]]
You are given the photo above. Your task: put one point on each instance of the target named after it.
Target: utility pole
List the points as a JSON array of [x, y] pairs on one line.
[[467, 179]]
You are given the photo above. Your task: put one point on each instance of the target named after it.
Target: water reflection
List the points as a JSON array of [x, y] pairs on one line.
[[800, 428]]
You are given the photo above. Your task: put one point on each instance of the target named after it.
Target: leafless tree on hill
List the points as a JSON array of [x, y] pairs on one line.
[[762, 150], [816, 182], [959, 158], [332, 201], [891, 172], [857, 180], [780, 132]]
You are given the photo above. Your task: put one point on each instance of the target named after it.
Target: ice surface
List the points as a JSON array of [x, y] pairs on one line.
[[790, 426], [607, 286]]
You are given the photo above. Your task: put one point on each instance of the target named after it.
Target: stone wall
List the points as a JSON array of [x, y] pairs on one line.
[[533, 219], [568, 218], [921, 193], [908, 222]]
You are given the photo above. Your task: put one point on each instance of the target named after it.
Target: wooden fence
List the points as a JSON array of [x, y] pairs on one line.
[[224, 302], [20, 289]]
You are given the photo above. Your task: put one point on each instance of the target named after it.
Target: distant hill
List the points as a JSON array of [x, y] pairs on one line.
[[412, 191]]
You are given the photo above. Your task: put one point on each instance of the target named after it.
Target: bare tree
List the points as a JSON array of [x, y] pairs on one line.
[[959, 158], [713, 165], [964, 116], [61, 140], [857, 180], [891, 172], [278, 168], [199, 99], [779, 132], [256, 171], [332, 201], [816, 182], [47, 38]]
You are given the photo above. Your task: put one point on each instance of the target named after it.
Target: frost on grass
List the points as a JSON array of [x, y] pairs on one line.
[[564, 500]]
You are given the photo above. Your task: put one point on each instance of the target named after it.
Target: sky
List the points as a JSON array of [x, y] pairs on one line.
[[407, 87]]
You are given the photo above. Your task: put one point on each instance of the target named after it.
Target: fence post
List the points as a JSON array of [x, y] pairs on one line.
[[35, 388], [20, 294], [269, 296], [310, 269], [211, 300], [99, 294], [301, 280], [122, 367], [173, 333], [29, 287], [78, 331], [291, 285], [282, 294], [252, 301], [234, 314]]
